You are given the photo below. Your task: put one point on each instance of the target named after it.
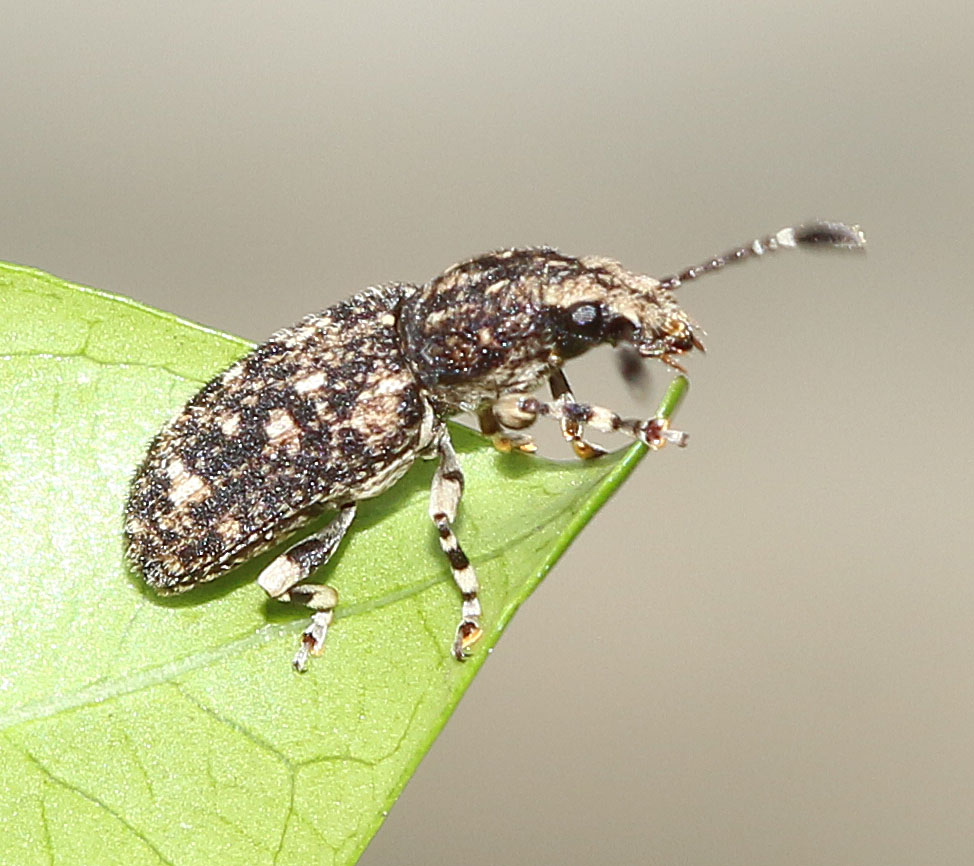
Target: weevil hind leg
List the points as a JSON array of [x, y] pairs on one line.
[[283, 580], [444, 499]]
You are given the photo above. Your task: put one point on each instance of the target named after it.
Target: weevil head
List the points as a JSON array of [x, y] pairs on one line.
[[605, 303], [504, 321]]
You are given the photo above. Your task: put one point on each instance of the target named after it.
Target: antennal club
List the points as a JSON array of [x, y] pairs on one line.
[[814, 234]]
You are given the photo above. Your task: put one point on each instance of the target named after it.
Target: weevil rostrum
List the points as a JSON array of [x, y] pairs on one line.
[[335, 409]]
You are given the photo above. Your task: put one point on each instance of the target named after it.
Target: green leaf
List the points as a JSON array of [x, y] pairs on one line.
[[141, 730]]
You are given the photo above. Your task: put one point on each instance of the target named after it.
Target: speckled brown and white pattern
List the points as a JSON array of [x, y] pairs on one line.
[[308, 420], [503, 322], [335, 409]]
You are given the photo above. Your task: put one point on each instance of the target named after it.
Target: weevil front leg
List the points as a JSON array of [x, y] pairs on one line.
[[653, 432], [282, 579], [572, 429], [444, 500]]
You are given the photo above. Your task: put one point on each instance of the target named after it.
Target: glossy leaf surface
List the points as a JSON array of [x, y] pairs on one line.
[[142, 730]]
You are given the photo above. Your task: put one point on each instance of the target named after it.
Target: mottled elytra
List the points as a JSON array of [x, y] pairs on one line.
[[335, 409]]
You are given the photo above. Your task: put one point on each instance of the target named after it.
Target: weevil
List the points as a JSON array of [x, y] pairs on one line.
[[335, 409]]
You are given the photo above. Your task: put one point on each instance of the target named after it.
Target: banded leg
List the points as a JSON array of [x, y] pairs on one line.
[[570, 428], [503, 440], [282, 579], [444, 499], [652, 432]]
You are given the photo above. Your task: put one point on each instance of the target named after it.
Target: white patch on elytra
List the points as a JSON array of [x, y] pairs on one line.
[[188, 488], [309, 383], [281, 429], [377, 407], [230, 424], [393, 384]]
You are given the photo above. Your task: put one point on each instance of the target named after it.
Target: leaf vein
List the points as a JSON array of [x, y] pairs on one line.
[[94, 800]]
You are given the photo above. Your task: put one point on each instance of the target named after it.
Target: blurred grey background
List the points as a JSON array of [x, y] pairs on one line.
[[762, 650]]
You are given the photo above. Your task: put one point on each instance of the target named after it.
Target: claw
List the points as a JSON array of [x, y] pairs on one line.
[[656, 433], [312, 640], [586, 450], [507, 442], [468, 633]]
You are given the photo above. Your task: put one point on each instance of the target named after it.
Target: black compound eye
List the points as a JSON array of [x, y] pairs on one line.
[[578, 328], [586, 321]]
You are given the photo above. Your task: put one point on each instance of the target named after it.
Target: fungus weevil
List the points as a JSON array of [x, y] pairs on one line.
[[335, 410]]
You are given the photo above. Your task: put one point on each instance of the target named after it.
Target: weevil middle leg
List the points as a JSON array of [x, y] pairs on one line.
[[282, 579], [444, 499]]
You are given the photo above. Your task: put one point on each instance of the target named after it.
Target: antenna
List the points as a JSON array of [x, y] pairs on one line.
[[814, 234]]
